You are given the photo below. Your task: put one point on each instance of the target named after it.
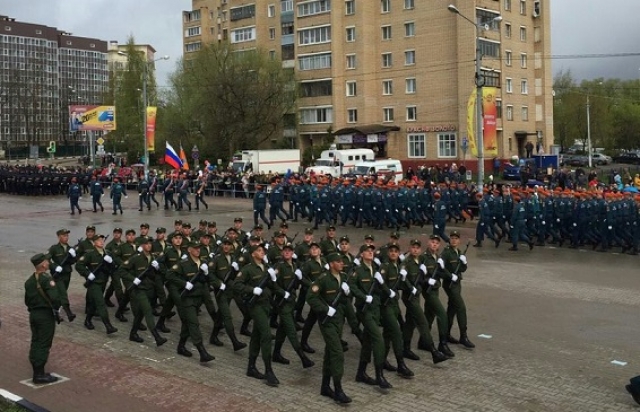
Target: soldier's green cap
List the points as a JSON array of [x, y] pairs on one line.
[[434, 237], [212, 224], [258, 227], [454, 233], [175, 234], [186, 224], [144, 225], [203, 222], [130, 232], [161, 230], [284, 224], [91, 227], [395, 235], [415, 242], [232, 229], [369, 237], [117, 229], [177, 222], [145, 240], [227, 241], [237, 219], [195, 243], [288, 246], [39, 258], [205, 235], [345, 239], [63, 232], [256, 247], [316, 244], [394, 246], [367, 247], [308, 231], [255, 239], [331, 227], [278, 233], [96, 237], [334, 257]]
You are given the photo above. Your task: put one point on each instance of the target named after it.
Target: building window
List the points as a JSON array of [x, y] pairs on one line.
[[523, 60], [314, 35], [409, 57], [509, 85], [417, 145], [286, 6], [498, 109], [287, 29], [524, 86], [489, 48], [412, 113], [386, 6], [507, 58], [509, 112], [314, 61], [311, 8], [491, 78], [523, 34], [244, 12], [188, 48], [507, 5], [410, 85], [487, 19], [271, 10], [447, 145], [387, 114], [387, 87], [316, 115], [272, 33], [523, 7], [350, 34], [507, 30], [409, 29], [387, 60], [243, 35], [272, 54], [351, 88], [349, 7], [352, 115], [409, 4], [386, 32], [351, 61], [316, 88], [525, 114], [192, 31]]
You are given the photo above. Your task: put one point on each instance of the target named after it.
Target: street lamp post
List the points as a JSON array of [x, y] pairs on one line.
[[479, 85]]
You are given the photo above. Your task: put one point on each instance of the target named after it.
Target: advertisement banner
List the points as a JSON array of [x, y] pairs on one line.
[[490, 114], [83, 118], [152, 111]]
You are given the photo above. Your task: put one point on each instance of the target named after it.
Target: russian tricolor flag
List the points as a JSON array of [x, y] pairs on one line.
[[171, 157]]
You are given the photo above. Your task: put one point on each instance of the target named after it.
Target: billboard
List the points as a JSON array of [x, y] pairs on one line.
[[489, 122], [151, 128], [84, 117]]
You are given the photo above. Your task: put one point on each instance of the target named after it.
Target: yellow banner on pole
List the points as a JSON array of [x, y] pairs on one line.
[[489, 122], [152, 111]]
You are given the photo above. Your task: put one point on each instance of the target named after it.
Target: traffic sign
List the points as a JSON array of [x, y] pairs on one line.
[[195, 153], [100, 141], [52, 147], [100, 151]]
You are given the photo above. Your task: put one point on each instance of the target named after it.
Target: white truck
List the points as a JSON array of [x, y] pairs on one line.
[[334, 162], [380, 168], [267, 161]]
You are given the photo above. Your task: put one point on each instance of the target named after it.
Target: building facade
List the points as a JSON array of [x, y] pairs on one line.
[[42, 71], [398, 76]]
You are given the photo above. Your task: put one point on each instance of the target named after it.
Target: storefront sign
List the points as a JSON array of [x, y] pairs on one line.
[[428, 129]]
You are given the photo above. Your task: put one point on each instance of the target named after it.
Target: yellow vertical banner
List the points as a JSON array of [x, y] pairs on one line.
[[471, 124], [489, 122], [151, 128]]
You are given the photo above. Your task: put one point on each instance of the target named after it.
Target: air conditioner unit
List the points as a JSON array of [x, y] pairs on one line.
[[536, 8]]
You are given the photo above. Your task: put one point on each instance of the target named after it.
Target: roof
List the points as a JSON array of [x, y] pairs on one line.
[[367, 129]]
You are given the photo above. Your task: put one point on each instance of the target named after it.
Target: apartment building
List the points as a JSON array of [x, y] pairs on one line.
[[42, 71], [398, 76]]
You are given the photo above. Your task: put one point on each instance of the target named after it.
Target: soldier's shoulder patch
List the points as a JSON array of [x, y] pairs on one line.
[[126, 262], [315, 288], [382, 271], [240, 259], [174, 267], [81, 259], [52, 283], [239, 275]]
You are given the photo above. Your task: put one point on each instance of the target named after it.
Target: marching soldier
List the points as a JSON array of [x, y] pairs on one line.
[[329, 244], [172, 256], [96, 194], [169, 190], [143, 194], [311, 270], [201, 185], [117, 191], [260, 206], [63, 256], [122, 254], [183, 192], [74, 194], [202, 229], [111, 249], [153, 188]]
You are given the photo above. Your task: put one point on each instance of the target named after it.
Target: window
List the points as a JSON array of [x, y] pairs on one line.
[[387, 60], [491, 78], [507, 58], [287, 29], [314, 35], [351, 88], [409, 57], [243, 35], [524, 86], [523, 34], [386, 6], [244, 12], [410, 85], [286, 6], [272, 33], [350, 34], [352, 115], [272, 54], [310, 8], [523, 7], [314, 61], [507, 5], [193, 31], [507, 30], [412, 113], [316, 88], [498, 109], [192, 47], [523, 60], [316, 115], [487, 19], [416, 145], [271, 10], [409, 4], [447, 145], [349, 7], [386, 32], [351, 61], [525, 114], [387, 87], [489, 48], [387, 114], [509, 112], [409, 29], [509, 85]]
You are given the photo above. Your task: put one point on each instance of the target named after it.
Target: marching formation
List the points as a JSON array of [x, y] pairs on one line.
[[186, 272]]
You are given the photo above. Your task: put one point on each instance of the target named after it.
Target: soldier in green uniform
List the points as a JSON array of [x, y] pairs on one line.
[[383, 252], [186, 276], [326, 298], [123, 253], [329, 243], [157, 248], [144, 234], [177, 228], [289, 277], [274, 253], [172, 255], [42, 301], [349, 267], [139, 273], [301, 254], [243, 237], [63, 256], [367, 285], [206, 256], [202, 229], [311, 270], [86, 244], [284, 228], [216, 239], [96, 266], [253, 283], [111, 249], [186, 236], [455, 264]]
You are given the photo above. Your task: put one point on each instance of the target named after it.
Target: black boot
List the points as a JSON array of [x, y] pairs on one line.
[[325, 389], [408, 354], [298, 317], [237, 345], [339, 395], [159, 339], [39, 377], [160, 325], [277, 355], [305, 347], [107, 301], [444, 348], [252, 371], [88, 323], [389, 367], [380, 379], [464, 341], [306, 362], [204, 355], [182, 349], [120, 315], [142, 327], [361, 375], [244, 329], [403, 370], [422, 345], [134, 337], [213, 339], [109, 327], [438, 356], [70, 315], [270, 376], [452, 340]]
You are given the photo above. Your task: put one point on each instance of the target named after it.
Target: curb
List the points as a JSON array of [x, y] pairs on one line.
[[30, 406]]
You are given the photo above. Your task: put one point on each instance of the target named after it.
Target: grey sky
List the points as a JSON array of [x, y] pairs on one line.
[[578, 27]]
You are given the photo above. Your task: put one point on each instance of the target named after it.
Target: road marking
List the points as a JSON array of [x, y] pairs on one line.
[[618, 363], [483, 336]]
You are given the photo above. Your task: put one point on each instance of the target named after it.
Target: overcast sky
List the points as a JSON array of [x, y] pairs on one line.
[[579, 27]]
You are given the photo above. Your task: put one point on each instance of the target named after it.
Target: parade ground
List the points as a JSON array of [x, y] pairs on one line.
[[555, 330]]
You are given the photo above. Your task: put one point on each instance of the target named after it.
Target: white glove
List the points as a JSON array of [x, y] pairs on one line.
[[356, 262], [204, 268], [575, 225], [402, 257], [558, 220], [436, 226], [72, 252], [219, 242], [286, 295], [188, 286], [441, 263], [378, 277], [331, 311], [403, 274], [108, 259], [211, 255], [272, 274], [544, 223], [294, 256], [431, 281], [454, 277], [326, 266], [155, 264], [58, 269], [392, 294], [223, 286], [345, 288], [139, 249], [265, 259], [235, 266], [126, 197], [414, 291], [266, 246], [137, 281], [463, 259], [368, 299], [298, 274], [257, 291], [423, 268], [184, 257], [377, 261], [91, 277], [608, 227]]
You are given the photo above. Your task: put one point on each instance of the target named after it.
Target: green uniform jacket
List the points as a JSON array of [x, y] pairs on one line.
[[285, 277], [311, 270], [329, 246], [451, 258], [390, 272], [124, 252], [60, 253], [186, 271], [90, 261], [33, 299], [431, 262], [412, 266], [83, 247], [135, 267], [274, 254], [361, 282], [302, 252], [158, 247], [171, 258], [220, 268], [323, 292], [112, 246], [249, 277], [347, 259]]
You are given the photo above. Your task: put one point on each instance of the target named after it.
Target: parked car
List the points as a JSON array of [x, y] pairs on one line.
[[511, 172], [600, 159], [628, 157], [579, 161]]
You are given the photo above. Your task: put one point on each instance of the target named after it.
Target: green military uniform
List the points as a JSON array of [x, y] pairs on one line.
[[274, 254], [206, 256], [350, 314], [390, 309], [302, 252], [62, 257], [329, 246], [433, 308], [84, 246], [456, 307], [171, 258], [311, 271], [122, 254]]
